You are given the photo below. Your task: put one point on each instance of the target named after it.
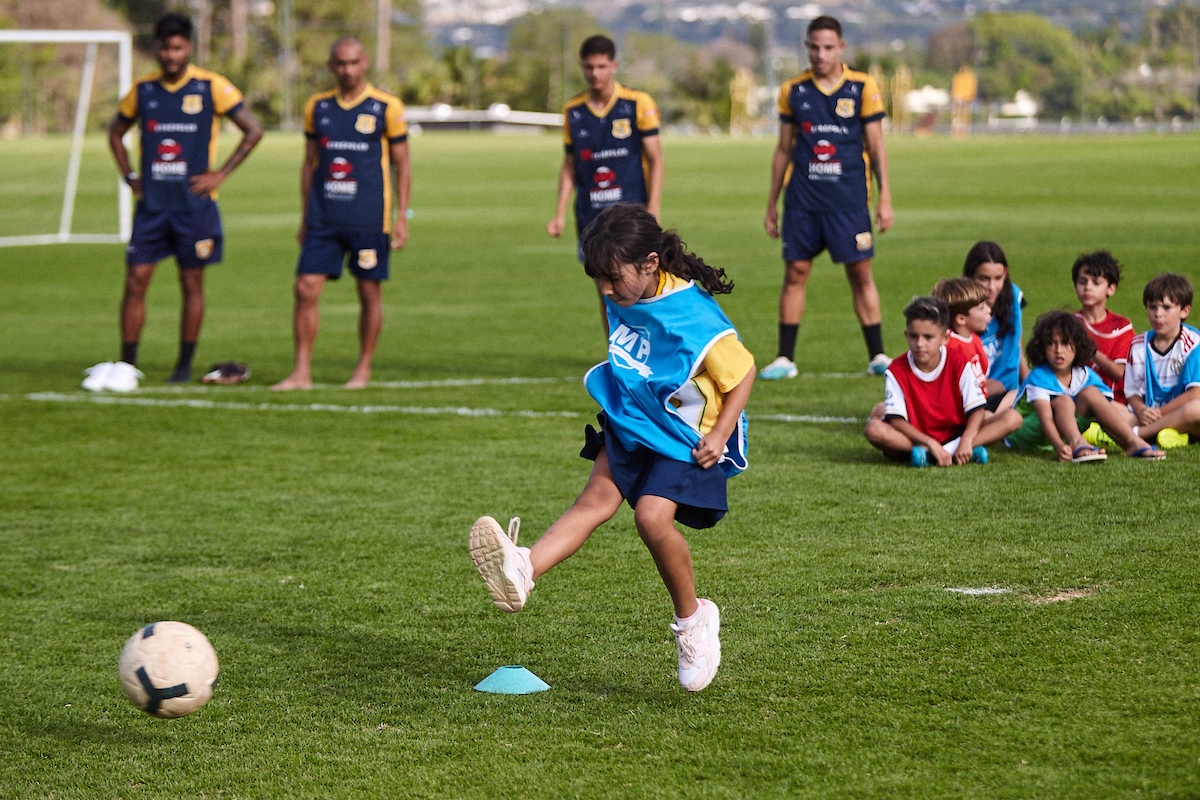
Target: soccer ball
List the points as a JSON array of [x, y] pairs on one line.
[[168, 669]]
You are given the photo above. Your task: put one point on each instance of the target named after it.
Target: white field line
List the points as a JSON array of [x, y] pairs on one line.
[[451, 383], [461, 411]]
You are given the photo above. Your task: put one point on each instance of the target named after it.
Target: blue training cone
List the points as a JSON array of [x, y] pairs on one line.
[[513, 679]]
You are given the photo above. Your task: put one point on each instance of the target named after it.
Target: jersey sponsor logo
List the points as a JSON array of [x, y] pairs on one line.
[[167, 164], [823, 166], [588, 154], [622, 129], [824, 150], [329, 144], [824, 127], [845, 107], [339, 185], [365, 124], [169, 150], [154, 126], [863, 242], [204, 248], [606, 191], [192, 104], [368, 259], [629, 348]]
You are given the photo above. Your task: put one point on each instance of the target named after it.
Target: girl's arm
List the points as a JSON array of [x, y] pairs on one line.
[[711, 447], [1045, 416]]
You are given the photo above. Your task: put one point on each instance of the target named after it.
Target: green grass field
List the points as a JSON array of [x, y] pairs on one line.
[[320, 539]]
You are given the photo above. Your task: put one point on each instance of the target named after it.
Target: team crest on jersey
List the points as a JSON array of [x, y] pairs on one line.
[[193, 104], [204, 248], [365, 124], [629, 348], [622, 129], [863, 240], [845, 107], [367, 259]]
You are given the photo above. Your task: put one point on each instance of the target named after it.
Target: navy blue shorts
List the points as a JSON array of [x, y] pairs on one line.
[[699, 494], [325, 252], [845, 234], [195, 239]]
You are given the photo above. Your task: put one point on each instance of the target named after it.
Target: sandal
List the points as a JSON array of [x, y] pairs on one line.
[[1148, 454], [1085, 453]]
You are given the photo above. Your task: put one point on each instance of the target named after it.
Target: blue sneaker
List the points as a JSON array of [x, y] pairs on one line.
[[979, 454], [878, 365], [777, 370], [919, 457]]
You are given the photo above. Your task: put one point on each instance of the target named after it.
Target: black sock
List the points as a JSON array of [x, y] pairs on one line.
[[187, 351], [874, 336], [787, 341], [129, 352]]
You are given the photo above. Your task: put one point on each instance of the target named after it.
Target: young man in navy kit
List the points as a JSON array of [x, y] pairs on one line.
[[355, 160], [178, 109], [831, 135]]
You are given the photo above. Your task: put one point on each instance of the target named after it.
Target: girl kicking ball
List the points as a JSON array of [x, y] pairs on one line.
[[671, 433]]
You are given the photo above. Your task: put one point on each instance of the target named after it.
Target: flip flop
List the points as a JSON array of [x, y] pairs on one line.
[[1149, 454], [1085, 453]]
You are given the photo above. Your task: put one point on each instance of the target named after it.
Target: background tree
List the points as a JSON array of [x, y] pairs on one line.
[[1025, 51]]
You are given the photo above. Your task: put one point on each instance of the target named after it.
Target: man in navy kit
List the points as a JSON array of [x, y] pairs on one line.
[[179, 110], [831, 134], [610, 135], [356, 157]]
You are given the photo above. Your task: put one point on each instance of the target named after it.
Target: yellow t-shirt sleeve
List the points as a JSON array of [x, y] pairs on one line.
[[647, 113], [783, 104], [128, 107], [397, 126], [225, 95], [728, 362], [310, 128], [872, 102]]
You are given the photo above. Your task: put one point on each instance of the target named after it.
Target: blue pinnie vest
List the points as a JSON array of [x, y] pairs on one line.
[[1189, 374], [655, 348]]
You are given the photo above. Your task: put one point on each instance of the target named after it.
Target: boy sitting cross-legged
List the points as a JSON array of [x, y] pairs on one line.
[[934, 407], [1162, 379], [1096, 276]]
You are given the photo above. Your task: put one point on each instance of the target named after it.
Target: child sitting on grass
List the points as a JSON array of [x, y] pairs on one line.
[[1162, 380], [1062, 396], [986, 263], [934, 407], [1096, 276], [969, 317]]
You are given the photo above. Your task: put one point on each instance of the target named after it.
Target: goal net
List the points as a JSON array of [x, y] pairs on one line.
[[55, 167]]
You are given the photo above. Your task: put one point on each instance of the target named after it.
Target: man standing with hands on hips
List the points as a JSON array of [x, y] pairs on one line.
[[831, 135], [179, 110]]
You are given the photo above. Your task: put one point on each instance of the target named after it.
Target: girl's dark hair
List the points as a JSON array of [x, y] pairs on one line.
[[985, 253], [628, 234], [1066, 328]]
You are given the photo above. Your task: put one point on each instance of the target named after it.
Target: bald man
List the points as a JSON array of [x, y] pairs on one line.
[[354, 187]]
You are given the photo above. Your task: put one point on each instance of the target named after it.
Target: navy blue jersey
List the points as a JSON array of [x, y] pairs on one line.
[[352, 186], [610, 166], [830, 165], [179, 124]]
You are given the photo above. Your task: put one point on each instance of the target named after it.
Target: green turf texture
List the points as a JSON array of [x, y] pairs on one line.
[[324, 553]]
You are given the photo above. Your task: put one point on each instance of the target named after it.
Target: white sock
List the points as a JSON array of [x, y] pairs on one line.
[[1135, 430], [683, 623]]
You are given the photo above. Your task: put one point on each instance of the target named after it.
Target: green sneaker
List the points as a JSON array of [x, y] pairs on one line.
[[1096, 437], [1169, 437]]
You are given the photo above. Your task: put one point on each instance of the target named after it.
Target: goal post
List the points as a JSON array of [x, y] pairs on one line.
[[93, 39]]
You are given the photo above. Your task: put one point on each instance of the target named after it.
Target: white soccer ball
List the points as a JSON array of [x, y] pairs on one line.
[[168, 669]]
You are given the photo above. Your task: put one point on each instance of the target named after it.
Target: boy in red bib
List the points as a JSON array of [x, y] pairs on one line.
[[934, 408]]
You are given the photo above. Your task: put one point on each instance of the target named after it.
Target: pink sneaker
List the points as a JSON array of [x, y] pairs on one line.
[[699, 647], [504, 567]]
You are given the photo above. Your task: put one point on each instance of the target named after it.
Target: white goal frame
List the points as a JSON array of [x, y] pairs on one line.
[[92, 39]]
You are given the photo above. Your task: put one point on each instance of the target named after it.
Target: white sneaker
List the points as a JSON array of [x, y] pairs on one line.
[[782, 367], [123, 377], [505, 568], [97, 376], [699, 647], [878, 365]]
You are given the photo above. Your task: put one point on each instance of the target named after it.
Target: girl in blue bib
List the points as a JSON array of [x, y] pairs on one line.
[[672, 427]]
